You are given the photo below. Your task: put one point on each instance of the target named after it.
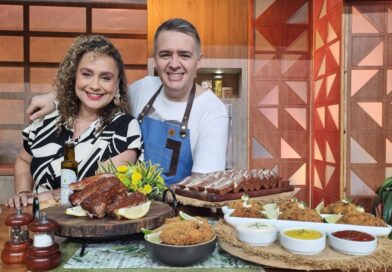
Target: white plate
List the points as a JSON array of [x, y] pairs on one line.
[[324, 227]]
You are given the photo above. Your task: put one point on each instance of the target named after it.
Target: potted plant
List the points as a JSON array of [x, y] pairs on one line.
[[383, 203]]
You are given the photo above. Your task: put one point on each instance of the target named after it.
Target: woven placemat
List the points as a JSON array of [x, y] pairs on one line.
[[274, 255]]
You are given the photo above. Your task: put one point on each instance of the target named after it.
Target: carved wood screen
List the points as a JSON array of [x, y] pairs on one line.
[[279, 94], [369, 96]]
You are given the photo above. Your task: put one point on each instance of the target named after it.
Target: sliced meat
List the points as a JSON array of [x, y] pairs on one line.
[[95, 204], [122, 201], [80, 185]]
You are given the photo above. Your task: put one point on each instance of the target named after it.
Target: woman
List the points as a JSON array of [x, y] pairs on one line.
[[91, 88]]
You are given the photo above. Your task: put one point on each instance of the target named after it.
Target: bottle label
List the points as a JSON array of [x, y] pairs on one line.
[[67, 177]]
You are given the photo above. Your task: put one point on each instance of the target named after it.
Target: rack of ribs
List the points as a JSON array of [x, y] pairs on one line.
[[95, 203], [77, 197], [80, 185]]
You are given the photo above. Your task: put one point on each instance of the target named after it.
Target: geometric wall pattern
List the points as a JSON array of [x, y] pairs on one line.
[[279, 94], [369, 98], [326, 106]]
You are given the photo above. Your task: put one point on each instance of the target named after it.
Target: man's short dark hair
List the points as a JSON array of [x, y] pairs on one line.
[[179, 25]]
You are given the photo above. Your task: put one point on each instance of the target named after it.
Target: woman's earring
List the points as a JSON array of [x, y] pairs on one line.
[[117, 98]]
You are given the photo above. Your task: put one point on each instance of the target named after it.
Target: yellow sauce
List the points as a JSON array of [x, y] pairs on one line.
[[303, 234]]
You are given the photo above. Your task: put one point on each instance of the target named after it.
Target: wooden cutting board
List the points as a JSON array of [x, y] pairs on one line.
[[85, 227]]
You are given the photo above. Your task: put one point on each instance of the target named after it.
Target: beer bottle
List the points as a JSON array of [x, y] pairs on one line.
[[69, 171]]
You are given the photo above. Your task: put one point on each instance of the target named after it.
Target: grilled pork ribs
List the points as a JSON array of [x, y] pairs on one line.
[[103, 194]]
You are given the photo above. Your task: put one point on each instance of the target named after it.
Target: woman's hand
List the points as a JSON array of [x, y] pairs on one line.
[[41, 105], [20, 199], [27, 198]]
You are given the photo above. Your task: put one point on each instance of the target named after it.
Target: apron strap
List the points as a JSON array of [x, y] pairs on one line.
[[185, 119], [148, 106]]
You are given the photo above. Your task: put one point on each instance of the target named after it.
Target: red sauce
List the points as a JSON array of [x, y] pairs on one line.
[[353, 235]]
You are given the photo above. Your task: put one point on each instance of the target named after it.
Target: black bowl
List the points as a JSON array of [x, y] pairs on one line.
[[174, 255]]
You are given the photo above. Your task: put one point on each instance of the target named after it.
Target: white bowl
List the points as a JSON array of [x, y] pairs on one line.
[[353, 247], [257, 234], [298, 244]]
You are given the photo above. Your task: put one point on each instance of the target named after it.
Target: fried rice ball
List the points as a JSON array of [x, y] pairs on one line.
[[296, 214], [186, 232], [288, 205], [362, 219], [250, 212], [238, 204], [339, 207]]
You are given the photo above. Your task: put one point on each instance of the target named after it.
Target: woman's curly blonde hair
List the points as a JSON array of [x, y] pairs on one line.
[[69, 103]]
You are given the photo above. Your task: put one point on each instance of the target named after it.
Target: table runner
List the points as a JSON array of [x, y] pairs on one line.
[[132, 256]]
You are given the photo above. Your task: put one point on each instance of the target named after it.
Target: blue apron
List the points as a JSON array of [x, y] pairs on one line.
[[168, 144]]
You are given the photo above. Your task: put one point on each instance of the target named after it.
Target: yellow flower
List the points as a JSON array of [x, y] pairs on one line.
[[136, 176], [122, 169], [122, 177], [135, 183], [147, 189]]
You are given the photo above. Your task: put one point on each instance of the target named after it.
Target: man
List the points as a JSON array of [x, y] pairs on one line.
[[184, 126]]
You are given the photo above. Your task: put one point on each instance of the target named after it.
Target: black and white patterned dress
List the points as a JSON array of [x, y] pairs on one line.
[[43, 142]]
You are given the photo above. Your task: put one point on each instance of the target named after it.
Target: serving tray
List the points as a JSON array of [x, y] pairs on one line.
[[275, 255], [324, 227], [86, 228]]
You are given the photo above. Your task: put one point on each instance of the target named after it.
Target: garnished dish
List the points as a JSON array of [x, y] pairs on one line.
[[302, 240], [181, 241], [293, 213], [105, 194], [257, 234], [353, 242], [343, 206]]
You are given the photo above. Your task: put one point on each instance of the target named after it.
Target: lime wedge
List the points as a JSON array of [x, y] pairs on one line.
[[154, 237], [272, 213], [134, 212], [185, 216], [332, 219], [76, 211], [145, 231], [319, 207]]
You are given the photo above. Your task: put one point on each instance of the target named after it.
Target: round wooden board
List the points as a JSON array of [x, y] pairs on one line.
[[85, 227]]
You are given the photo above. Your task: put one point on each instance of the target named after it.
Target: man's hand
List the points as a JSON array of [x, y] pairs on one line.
[[41, 105]]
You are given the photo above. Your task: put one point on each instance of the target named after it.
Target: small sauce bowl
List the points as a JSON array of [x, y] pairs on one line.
[[302, 240], [353, 242], [257, 233]]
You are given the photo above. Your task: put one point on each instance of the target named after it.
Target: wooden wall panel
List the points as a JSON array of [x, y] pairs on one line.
[[326, 108], [119, 21], [222, 24], [11, 17], [279, 94], [369, 99], [58, 19], [11, 48], [11, 79]]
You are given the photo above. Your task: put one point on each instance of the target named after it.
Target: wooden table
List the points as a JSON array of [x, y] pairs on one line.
[[19, 267]]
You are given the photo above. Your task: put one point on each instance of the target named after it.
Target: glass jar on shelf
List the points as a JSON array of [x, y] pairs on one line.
[[218, 85]]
